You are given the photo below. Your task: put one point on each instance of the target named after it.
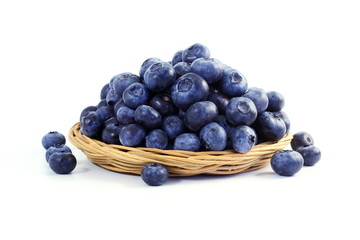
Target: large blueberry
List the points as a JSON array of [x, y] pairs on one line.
[[56, 148], [87, 110], [157, 138], [146, 64], [311, 154], [154, 174], [132, 135], [91, 124], [105, 89], [241, 111], [110, 134], [286, 162], [188, 89], [233, 83], [182, 68], [243, 138], [194, 52], [148, 117], [125, 115], [163, 104], [177, 57], [259, 97], [199, 114], [105, 113], [213, 137], [276, 101], [62, 162], [221, 101], [187, 142], [135, 95], [173, 126], [285, 118], [121, 81], [211, 69], [52, 138], [301, 139], [159, 76], [270, 127]]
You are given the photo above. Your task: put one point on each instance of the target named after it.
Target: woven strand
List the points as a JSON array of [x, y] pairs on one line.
[[124, 159]]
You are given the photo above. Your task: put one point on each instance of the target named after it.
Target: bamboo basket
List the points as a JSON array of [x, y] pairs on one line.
[[124, 159]]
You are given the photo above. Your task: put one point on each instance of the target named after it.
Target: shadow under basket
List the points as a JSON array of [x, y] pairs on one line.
[[124, 159]]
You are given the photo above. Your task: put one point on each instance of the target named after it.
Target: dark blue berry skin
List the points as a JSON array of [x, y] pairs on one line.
[[148, 117], [188, 89], [172, 126], [270, 127], [213, 137], [91, 124], [105, 113], [125, 115], [110, 133], [159, 76], [301, 139], [177, 57], [56, 148], [121, 81], [243, 138], [111, 120], [241, 111], [120, 103], [146, 64], [157, 138], [233, 83], [112, 97], [285, 118], [221, 101], [62, 162], [154, 174], [52, 138], [221, 120], [286, 162], [105, 89], [182, 68], [187, 142], [199, 114], [132, 135], [210, 69], [276, 101], [102, 103], [259, 97], [311, 154], [135, 95], [194, 52], [87, 110], [163, 104]]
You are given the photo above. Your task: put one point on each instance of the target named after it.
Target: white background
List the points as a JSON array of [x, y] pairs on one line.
[[56, 56]]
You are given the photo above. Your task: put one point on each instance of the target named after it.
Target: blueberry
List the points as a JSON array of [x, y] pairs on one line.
[[132, 135], [177, 57], [157, 138], [276, 101], [102, 103], [105, 89], [188, 89], [182, 68], [87, 110], [301, 139], [213, 137], [52, 138], [220, 100], [120, 103], [146, 64], [91, 124], [241, 111], [221, 120], [259, 97], [311, 154], [56, 148], [285, 118], [243, 138], [112, 97], [110, 121], [194, 52], [187, 142], [233, 83], [173, 126], [199, 114], [62, 162], [105, 113], [163, 104], [159, 76], [270, 127], [125, 115], [211, 69], [135, 95], [121, 81], [154, 174], [110, 134], [286, 162], [147, 116]]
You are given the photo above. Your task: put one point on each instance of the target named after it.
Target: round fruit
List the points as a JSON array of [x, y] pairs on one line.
[[243, 138], [286, 162], [154, 174], [311, 154], [53, 138], [301, 139], [62, 162]]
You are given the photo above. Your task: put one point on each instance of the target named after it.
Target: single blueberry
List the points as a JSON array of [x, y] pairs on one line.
[[243, 138], [286, 162], [135, 95], [211, 69], [241, 111], [159, 76], [121, 81], [110, 134], [301, 139], [177, 57], [105, 113], [187, 142], [104, 91], [172, 126], [62, 162], [157, 138], [182, 68], [233, 83], [56, 148], [199, 114], [154, 174], [285, 118], [148, 117], [270, 127], [91, 124], [213, 137], [125, 115], [221, 101], [87, 110], [146, 64], [259, 97], [311, 154], [194, 52], [132, 135], [163, 104], [188, 89], [276, 101], [52, 138], [112, 97]]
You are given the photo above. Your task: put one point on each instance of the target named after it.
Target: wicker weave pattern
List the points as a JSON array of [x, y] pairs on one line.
[[179, 163]]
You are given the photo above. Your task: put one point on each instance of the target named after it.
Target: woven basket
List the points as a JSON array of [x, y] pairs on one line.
[[179, 163]]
